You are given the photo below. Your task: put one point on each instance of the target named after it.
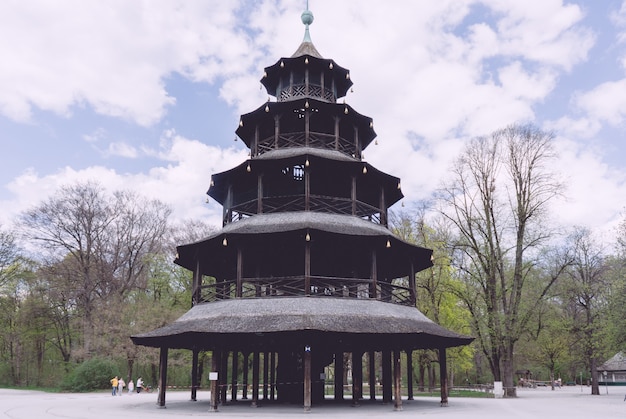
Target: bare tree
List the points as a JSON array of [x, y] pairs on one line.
[[496, 199], [96, 242], [9, 256], [587, 291]]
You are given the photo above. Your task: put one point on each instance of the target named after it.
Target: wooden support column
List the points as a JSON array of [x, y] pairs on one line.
[[443, 376], [357, 377], [259, 194], [357, 146], [397, 385], [339, 375], [307, 268], [162, 376], [255, 379], [223, 377], [254, 150], [276, 131], [307, 187], [244, 373], [194, 374], [372, 374], [307, 378], [412, 286], [197, 283], [239, 288], [233, 377], [307, 127], [383, 208], [336, 132], [272, 376], [215, 366], [353, 195], [409, 373], [266, 381], [387, 379], [374, 275]]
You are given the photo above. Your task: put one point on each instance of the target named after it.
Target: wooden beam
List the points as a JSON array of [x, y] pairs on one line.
[[233, 376], [215, 366]]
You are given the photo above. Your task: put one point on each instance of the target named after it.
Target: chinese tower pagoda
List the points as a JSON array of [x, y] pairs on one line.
[[304, 272]]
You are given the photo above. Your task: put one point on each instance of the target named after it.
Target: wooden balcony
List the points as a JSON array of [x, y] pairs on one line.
[[320, 287]]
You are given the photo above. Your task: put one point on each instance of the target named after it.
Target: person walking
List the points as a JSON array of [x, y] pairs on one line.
[[131, 387], [139, 385], [114, 384], [120, 386]]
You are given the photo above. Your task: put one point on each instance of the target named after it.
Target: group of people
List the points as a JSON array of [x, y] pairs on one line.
[[118, 384]]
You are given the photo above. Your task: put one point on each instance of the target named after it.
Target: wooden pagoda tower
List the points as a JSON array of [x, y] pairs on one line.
[[304, 271]]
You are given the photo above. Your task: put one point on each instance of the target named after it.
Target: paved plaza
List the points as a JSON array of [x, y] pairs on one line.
[[568, 402]]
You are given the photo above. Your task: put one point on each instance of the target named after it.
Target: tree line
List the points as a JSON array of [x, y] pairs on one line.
[[83, 270]]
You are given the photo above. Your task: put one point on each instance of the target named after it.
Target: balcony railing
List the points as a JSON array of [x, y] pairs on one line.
[[297, 91], [317, 203], [298, 139], [320, 287]]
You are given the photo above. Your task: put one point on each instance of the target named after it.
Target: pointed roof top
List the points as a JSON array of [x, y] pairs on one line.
[[307, 47]]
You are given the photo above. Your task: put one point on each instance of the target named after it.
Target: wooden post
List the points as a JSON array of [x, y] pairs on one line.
[[162, 376], [387, 381], [233, 377], [397, 375], [307, 378], [244, 372], [443, 376], [409, 373], [266, 367], [272, 376], [215, 365], [239, 287], [339, 375], [223, 377], [255, 379], [374, 275], [194, 374], [357, 377], [307, 268], [197, 283], [372, 374]]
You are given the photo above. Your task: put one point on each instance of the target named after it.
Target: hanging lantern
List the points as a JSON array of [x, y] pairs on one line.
[[306, 104], [241, 122], [399, 186], [282, 64], [248, 168], [388, 245], [364, 170], [224, 242], [345, 110], [307, 237], [306, 60], [306, 163], [267, 108], [330, 65]]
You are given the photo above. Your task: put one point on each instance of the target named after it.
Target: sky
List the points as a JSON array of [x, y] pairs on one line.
[[146, 95]]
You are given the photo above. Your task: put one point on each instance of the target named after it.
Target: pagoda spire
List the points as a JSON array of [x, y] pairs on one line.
[[307, 47], [307, 18]]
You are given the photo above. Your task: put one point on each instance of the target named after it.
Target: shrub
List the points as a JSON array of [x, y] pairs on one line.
[[94, 374]]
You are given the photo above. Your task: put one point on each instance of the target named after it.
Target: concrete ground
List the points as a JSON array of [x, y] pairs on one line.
[[568, 402]]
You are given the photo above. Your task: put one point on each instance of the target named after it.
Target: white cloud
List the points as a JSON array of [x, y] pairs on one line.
[[186, 174], [112, 56]]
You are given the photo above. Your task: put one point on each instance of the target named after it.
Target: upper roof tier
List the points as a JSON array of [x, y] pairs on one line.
[[306, 73]]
